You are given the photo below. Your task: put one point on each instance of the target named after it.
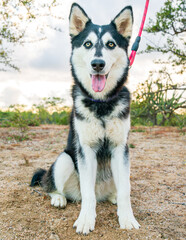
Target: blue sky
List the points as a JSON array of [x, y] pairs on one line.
[[45, 69]]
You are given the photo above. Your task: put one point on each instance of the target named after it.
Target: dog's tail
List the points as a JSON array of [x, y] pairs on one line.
[[37, 177]]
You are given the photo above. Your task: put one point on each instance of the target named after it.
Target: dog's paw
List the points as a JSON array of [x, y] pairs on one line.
[[112, 198], [85, 223], [57, 200], [128, 221]]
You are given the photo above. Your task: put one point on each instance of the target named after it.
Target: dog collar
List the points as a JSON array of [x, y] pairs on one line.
[[102, 100]]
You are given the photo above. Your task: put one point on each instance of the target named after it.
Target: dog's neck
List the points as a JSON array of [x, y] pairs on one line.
[[104, 100]]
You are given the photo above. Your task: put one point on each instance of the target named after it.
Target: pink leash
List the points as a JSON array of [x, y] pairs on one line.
[[136, 43]]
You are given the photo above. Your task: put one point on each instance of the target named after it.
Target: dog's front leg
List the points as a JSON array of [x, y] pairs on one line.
[[121, 172], [87, 165]]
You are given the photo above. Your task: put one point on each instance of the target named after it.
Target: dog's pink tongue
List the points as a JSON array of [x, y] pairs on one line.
[[98, 82]]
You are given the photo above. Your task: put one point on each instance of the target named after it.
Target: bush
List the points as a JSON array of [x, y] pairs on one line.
[[156, 102], [49, 111], [61, 118]]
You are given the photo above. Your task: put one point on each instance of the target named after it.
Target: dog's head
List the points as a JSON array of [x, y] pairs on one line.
[[99, 53]]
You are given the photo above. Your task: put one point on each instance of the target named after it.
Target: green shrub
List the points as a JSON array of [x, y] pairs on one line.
[[5, 119], [156, 102], [61, 118]]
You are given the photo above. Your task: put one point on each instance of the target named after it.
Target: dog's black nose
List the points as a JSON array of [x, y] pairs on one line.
[[98, 64]]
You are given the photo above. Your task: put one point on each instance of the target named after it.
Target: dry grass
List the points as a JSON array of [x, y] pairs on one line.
[[157, 179]]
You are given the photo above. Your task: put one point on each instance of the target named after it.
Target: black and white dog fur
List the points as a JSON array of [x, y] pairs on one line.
[[95, 164]]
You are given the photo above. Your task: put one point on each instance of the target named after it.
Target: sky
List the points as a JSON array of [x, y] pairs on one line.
[[44, 65]]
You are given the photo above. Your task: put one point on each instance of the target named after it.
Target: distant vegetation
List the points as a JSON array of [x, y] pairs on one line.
[[151, 106], [158, 101], [49, 111]]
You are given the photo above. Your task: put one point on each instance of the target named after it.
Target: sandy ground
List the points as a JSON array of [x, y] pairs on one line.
[[158, 180]]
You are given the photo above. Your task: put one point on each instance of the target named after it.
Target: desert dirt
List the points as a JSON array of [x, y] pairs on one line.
[[158, 181]]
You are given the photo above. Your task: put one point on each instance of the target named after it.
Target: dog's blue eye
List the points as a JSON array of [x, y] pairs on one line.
[[110, 44], [88, 44]]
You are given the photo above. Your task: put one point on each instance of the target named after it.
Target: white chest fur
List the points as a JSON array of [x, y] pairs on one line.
[[91, 129]]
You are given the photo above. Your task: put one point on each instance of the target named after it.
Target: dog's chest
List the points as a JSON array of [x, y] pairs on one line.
[[94, 128], [102, 130], [90, 132]]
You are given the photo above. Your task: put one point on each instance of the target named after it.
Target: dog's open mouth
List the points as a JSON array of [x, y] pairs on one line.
[[98, 82]]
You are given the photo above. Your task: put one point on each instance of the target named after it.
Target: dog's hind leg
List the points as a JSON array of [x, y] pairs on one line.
[[62, 170], [53, 181]]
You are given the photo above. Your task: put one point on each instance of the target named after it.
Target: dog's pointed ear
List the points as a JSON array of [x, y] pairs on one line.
[[124, 21], [78, 19]]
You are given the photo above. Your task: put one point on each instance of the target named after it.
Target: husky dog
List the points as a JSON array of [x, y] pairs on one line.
[[95, 164]]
